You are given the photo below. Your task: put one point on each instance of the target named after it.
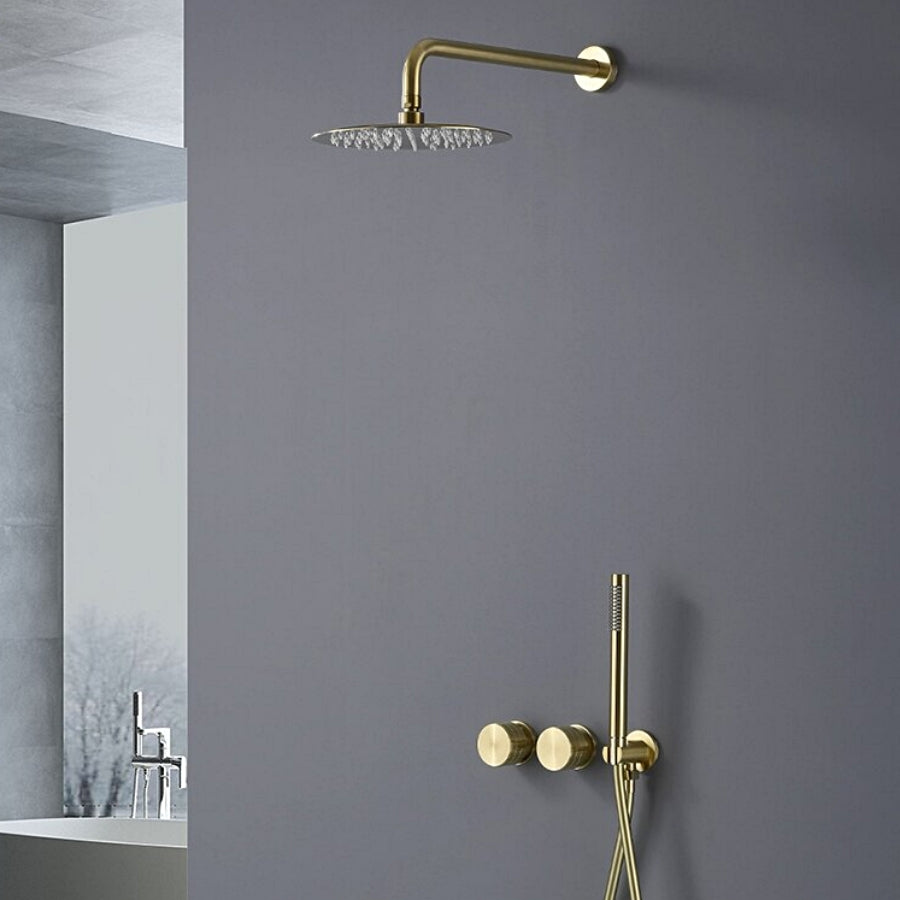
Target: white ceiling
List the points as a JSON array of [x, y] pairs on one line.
[[110, 65]]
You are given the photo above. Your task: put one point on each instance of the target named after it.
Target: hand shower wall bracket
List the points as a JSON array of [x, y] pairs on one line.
[[641, 750]]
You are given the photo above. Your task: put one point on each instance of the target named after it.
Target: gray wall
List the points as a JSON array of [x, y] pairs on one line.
[[435, 400], [30, 518]]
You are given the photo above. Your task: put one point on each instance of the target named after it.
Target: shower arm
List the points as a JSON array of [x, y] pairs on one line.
[[594, 70]]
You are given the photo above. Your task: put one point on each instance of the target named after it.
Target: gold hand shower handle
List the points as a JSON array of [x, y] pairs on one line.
[[618, 663]]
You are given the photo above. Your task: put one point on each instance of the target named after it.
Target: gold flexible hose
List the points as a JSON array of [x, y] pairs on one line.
[[625, 831], [615, 866]]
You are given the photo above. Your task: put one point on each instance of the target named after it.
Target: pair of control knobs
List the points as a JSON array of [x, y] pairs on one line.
[[558, 748]]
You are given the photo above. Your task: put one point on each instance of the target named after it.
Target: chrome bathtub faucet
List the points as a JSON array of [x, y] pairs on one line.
[[162, 762]]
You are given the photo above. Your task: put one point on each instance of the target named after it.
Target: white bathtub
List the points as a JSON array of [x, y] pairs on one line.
[[93, 859]]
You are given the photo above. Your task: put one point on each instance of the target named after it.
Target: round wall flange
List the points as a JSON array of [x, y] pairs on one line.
[[595, 83], [650, 742]]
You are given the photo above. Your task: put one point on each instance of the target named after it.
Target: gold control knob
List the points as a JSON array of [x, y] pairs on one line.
[[506, 743], [566, 747]]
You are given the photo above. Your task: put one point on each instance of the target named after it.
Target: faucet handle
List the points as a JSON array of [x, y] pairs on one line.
[[506, 743], [137, 723], [566, 747]]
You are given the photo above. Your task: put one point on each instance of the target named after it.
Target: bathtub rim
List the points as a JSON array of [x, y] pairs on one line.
[[31, 828]]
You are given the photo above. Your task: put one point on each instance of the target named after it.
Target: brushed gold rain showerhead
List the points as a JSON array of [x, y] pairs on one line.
[[594, 69], [411, 137]]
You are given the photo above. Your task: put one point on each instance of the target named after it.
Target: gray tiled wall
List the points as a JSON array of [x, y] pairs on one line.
[[30, 518]]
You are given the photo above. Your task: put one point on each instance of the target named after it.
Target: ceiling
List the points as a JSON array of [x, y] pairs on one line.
[[63, 173], [90, 107], [110, 65]]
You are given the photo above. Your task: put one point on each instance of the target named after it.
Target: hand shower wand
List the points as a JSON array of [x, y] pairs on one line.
[[629, 753]]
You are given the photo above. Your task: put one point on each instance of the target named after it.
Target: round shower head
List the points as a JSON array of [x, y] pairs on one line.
[[411, 137]]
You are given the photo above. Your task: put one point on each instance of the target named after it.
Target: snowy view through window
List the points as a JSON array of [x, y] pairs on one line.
[[125, 503]]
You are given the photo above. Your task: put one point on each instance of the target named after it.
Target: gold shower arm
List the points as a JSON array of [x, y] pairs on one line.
[[594, 69]]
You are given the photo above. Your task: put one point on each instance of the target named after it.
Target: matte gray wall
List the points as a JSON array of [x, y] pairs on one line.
[[30, 518], [435, 400]]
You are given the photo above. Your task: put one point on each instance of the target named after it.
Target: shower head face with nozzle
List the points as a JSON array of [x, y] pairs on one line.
[[411, 137]]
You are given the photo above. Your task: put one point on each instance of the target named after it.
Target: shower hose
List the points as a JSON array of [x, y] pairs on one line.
[[623, 781]]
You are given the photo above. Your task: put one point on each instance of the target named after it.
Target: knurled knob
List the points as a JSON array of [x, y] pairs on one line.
[[566, 747], [506, 743]]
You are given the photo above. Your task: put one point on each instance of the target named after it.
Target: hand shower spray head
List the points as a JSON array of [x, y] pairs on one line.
[[615, 607], [618, 663]]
